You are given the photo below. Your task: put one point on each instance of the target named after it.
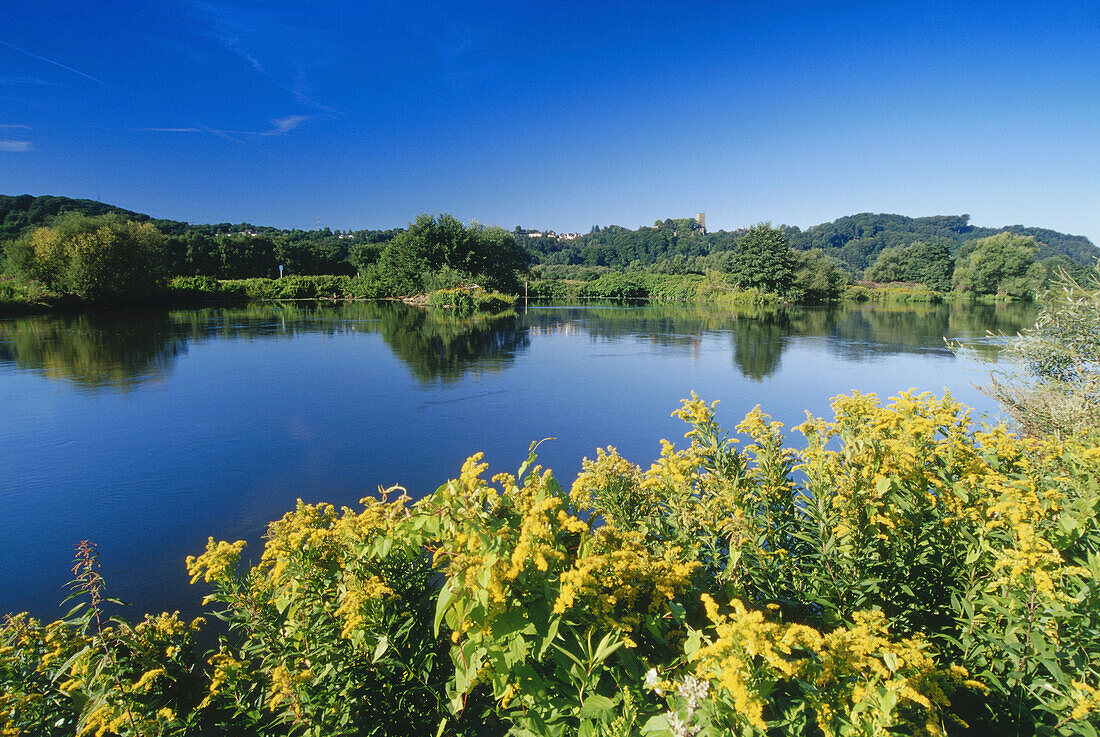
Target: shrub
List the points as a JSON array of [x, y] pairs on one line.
[[899, 572], [900, 292], [466, 301], [93, 258], [1059, 390], [866, 596]]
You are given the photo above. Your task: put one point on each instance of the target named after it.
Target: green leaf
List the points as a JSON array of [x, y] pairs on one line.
[[597, 707], [656, 725], [381, 648], [442, 604], [63, 669], [551, 635], [568, 654], [606, 648]]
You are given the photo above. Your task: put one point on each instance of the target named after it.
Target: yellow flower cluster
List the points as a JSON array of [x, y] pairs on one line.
[[749, 653], [839, 672], [1086, 700], [284, 688], [219, 561], [357, 595], [227, 672], [615, 579], [506, 543], [917, 443], [697, 413], [1018, 511], [611, 477]]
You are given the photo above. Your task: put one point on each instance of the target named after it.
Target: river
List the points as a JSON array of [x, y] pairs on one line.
[[148, 432]]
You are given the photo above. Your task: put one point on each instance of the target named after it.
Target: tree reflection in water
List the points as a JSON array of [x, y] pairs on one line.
[[94, 351], [124, 350]]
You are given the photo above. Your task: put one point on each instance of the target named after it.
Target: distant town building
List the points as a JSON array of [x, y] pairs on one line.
[[701, 218]]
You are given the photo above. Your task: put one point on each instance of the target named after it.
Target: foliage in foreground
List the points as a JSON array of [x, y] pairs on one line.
[[1058, 390], [904, 573]]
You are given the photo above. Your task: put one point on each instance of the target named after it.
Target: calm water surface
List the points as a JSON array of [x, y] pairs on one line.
[[148, 433]]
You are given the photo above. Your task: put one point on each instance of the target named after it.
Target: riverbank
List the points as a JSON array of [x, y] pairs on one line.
[[718, 289], [19, 298]]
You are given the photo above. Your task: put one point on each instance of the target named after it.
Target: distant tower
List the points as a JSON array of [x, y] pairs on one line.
[[701, 218]]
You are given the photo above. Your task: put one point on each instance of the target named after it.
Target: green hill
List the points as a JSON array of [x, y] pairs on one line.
[[678, 245]]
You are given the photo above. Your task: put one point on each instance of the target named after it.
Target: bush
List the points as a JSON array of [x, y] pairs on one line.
[[1059, 388], [19, 294], [466, 301], [900, 572], [893, 293], [102, 258], [712, 288], [290, 287]]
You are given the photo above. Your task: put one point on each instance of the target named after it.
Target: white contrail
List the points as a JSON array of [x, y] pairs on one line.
[[55, 63]]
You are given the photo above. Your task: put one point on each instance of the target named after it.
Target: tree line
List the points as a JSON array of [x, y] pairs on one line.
[[856, 241], [111, 257], [93, 251], [764, 259]]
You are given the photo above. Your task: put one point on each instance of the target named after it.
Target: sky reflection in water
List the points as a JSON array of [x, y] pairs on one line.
[[149, 432]]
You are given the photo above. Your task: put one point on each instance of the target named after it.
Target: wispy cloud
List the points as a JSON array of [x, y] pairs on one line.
[[55, 63], [282, 52], [171, 130], [16, 146], [285, 125], [9, 126], [279, 126], [26, 81], [227, 136], [21, 101]]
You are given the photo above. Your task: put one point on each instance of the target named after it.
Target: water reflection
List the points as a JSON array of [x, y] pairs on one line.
[[121, 351], [759, 335], [96, 350], [758, 343], [255, 406], [437, 345]]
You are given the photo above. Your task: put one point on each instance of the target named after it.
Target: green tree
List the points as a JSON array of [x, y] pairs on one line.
[[491, 255], [94, 258], [930, 264], [363, 254], [763, 260], [998, 264], [243, 256], [495, 258], [891, 265], [818, 277]]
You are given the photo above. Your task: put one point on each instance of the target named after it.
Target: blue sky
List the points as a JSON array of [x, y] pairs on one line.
[[556, 114]]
